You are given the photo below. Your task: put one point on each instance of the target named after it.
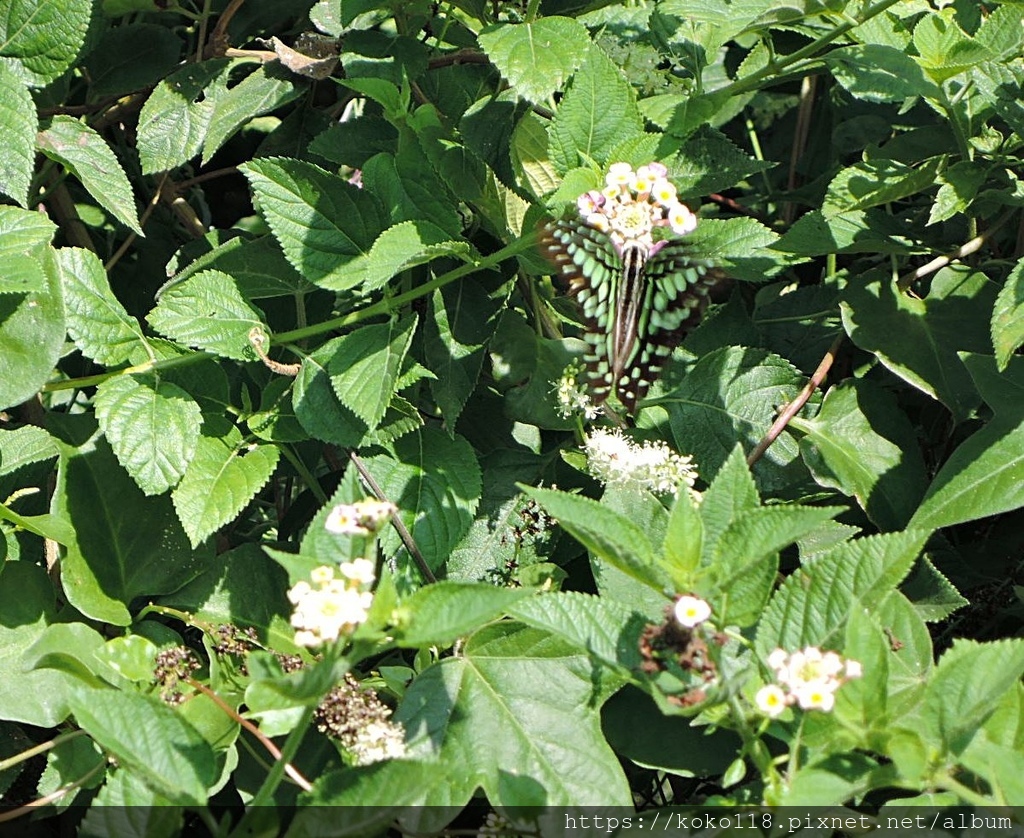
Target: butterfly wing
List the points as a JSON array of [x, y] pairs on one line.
[[636, 307]]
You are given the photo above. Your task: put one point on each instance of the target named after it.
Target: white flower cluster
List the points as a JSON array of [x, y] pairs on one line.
[[617, 461], [634, 203], [808, 678], [691, 611], [572, 396], [363, 518], [378, 741], [331, 606]]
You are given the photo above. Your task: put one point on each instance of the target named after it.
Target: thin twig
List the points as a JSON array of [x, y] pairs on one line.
[[397, 523], [130, 238], [272, 749], [28, 808], [257, 338], [795, 406]]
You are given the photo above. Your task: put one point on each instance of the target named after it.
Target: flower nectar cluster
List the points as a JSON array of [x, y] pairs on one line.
[[618, 461], [633, 203], [572, 396], [808, 678], [331, 606]]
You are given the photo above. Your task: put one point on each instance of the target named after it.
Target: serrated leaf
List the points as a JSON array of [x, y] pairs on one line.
[[208, 312], [960, 185], [24, 446], [919, 339], [97, 322], [22, 275], [125, 806], [257, 265], [732, 394], [84, 153], [410, 191], [174, 121], [398, 248], [710, 162], [44, 37], [609, 536], [745, 561], [31, 329], [435, 482], [500, 689], [812, 605], [536, 57], [875, 182], [258, 93], [150, 739], [879, 73], [597, 113], [1007, 323], [731, 495], [855, 231], [225, 474], [321, 221], [984, 476], [530, 155], [152, 426], [18, 124], [131, 56], [945, 50], [316, 405], [365, 367], [861, 443], [965, 687], [729, 243], [439, 614]]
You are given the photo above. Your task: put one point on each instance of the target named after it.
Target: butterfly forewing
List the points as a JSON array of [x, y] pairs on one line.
[[635, 307]]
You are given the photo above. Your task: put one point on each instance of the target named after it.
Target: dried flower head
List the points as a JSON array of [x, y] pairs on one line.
[[358, 719]]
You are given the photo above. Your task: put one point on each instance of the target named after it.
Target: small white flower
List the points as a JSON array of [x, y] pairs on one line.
[[599, 221], [663, 192], [344, 520], [619, 174], [691, 611], [811, 677], [852, 669], [816, 695], [298, 592], [777, 660], [617, 461], [572, 397], [681, 220], [360, 571], [378, 741], [321, 575], [771, 700], [657, 170]]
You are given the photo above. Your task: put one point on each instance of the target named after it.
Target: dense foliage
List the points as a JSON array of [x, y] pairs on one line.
[[264, 260]]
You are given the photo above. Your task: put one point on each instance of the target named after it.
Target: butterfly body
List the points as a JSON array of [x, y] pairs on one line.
[[637, 298]]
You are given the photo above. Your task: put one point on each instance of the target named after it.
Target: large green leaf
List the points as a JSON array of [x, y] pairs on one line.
[[97, 322], [863, 445], [84, 153], [435, 482], [127, 807], [223, 476], [18, 123], [1008, 316], [151, 740], [44, 37], [153, 427], [438, 614], [125, 545], [918, 339], [536, 57], [598, 112], [321, 221]]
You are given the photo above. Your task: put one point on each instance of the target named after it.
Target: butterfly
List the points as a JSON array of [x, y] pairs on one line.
[[637, 296]]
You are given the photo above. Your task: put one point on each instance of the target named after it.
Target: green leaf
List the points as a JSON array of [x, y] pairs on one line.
[[18, 124], [44, 37], [223, 476], [22, 275], [128, 808], [31, 329], [257, 265], [365, 367], [27, 605], [499, 690], [151, 740], [965, 688], [530, 155], [410, 191], [598, 112], [124, 544], [439, 614], [875, 182], [855, 231], [960, 185], [862, 444], [208, 312], [153, 427], [919, 339], [84, 153], [733, 394], [97, 322], [131, 56], [730, 496], [174, 121], [609, 536], [729, 243], [984, 476], [811, 607], [710, 162], [684, 540], [435, 482], [536, 57], [316, 404], [879, 73], [945, 50], [745, 561], [321, 221], [462, 318], [242, 587], [24, 446], [1008, 317], [258, 93]]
